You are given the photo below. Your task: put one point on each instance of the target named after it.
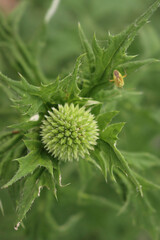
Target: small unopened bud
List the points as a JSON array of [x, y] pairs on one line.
[[69, 132]]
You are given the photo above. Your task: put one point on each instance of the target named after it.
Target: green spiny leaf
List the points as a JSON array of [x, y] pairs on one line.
[[98, 160], [111, 132], [29, 163], [26, 125], [115, 159], [69, 84], [31, 190], [115, 53], [87, 48], [105, 61], [33, 144], [105, 118], [134, 65]]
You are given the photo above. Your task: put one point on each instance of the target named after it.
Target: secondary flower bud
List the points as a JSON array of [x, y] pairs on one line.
[[69, 132]]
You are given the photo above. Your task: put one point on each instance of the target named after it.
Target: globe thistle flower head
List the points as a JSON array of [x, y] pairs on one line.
[[69, 132]]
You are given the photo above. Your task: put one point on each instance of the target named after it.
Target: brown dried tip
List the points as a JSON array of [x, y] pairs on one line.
[[8, 5]]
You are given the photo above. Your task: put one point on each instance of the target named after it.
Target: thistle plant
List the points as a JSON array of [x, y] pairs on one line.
[[69, 132], [67, 121]]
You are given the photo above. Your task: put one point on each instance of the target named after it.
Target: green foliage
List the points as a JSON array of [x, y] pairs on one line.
[[31, 190], [126, 174], [102, 61]]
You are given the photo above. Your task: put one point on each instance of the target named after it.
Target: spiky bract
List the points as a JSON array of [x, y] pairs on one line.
[[69, 132]]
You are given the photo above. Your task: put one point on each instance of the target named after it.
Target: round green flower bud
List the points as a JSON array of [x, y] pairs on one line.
[[69, 132]]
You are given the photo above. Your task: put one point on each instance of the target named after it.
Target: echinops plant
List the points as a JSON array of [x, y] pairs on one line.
[[64, 126], [69, 132]]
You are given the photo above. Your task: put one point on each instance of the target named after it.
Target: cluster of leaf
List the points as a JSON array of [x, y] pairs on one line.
[[88, 85]]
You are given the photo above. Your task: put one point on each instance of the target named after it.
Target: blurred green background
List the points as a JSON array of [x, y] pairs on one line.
[[59, 50]]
